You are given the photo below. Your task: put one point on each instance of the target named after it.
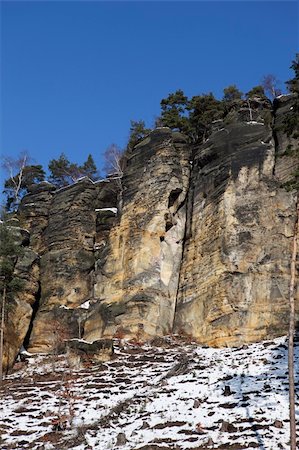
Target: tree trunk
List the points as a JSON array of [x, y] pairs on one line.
[[250, 111], [292, 332], [2, 333]]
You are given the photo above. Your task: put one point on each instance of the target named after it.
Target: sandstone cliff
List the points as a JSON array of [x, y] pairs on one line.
[[200, 242]]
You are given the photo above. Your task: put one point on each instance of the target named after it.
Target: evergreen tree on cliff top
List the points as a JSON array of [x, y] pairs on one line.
[[204, 109], [63, 172], [256, 91], [138, 131], [293, 83], [291, 121], [232, 93], [174, 112]]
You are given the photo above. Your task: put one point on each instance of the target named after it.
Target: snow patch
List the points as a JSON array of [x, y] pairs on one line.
[[114, 210]]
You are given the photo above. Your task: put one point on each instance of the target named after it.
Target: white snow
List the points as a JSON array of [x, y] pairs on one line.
[[282, 95], [85, 305], [154, 395], [114, 210], [25, 353], [253, 122]]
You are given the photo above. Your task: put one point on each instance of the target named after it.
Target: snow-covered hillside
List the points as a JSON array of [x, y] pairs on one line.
[[170, 395]]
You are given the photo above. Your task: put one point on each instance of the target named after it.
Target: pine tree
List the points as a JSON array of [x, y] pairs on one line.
[[293, 83], [174, 111], [61, 171], [89, 168], [204, 109], [291, 120], [232, 93], [138, 131], [256, 91]]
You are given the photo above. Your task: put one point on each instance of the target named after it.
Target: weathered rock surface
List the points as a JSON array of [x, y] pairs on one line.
[[196, 240], [236, 264], [137, 269], [21, 308], [286, 163], [67, 263]]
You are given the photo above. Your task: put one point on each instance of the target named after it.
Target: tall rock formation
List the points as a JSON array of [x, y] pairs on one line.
[[236, 264], [137, 268], [194, 239]]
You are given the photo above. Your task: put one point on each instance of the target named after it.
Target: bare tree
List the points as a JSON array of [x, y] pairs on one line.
[[270, 84], [250, 110], [292, 332], [15, 168], [114, 167]]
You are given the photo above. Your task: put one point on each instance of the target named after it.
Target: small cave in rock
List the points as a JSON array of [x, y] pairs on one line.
[[168, 222], [168, 225], [35, 308], [173, 196], [162, 238]]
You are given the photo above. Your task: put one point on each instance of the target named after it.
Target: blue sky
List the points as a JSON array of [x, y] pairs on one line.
[[73, 74]]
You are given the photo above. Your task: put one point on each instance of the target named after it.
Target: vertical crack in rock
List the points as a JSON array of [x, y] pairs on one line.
[[188, 204], [138, 279], [35, 307]]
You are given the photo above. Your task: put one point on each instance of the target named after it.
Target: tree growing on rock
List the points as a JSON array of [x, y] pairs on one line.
[[270, 85], [256, 91], [232, 93], [175, 112], [21, 175], [138, 131], [10, 284], [114, 167], [204, 109], [293, 83], [89, 168], [63, 172], [291, 121]]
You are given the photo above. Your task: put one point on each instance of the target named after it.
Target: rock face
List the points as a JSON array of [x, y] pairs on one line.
[[137, 268], [20, 313], [194, 239], [67, 263], [236, 265]]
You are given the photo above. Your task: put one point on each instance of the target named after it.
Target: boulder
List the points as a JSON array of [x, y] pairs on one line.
[[81, 351]]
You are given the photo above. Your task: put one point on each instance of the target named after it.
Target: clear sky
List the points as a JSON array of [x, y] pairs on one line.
[[73, 74]]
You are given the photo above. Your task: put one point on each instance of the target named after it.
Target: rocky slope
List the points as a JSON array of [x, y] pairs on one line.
[[170, 395], [196, 239]]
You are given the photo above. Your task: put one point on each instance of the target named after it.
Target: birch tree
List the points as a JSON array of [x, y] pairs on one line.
[[114, 168], [20, 176], [270, 84]]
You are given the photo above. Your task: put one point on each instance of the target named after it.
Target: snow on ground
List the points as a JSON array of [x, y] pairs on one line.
[[174, 395]]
